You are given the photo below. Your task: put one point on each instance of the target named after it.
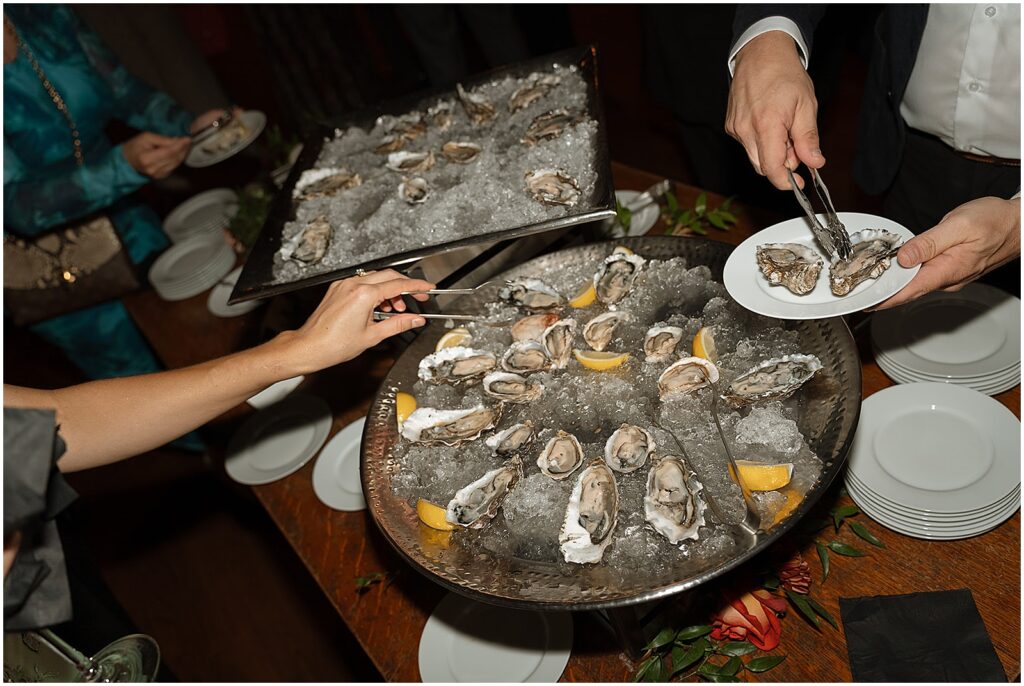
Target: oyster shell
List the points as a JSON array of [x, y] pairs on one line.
[[459, 152], [532, 294], [408, 126], [539, 86], [553, 187], [532, 327], [558, 339], [317, 183], [410, 162], [562, 456], [513, 439], [476, 504], [772, 379], [591, 516], [792, 265], [686, 376], [549, 125], [390, 143], [433, 426], [598, 331], [627, 448], [414, 190], [456, 365], [660, 342], [478, 108], [526, 358], [871, 253], [440, 116], [616, 276], [313, 244], [672, 505], [512, 388]]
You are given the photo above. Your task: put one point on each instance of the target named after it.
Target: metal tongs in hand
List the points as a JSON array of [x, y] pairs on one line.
[[832, 236], [480, 318]]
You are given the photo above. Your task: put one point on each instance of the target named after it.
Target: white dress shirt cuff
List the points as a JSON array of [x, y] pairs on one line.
[[764, 26]]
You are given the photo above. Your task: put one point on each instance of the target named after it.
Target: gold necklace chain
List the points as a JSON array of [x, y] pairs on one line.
[[58, 101]]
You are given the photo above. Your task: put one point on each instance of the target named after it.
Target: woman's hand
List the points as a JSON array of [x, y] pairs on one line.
[[972, 240], [772, 109], [154, 155], [210, 116], [342, 326]]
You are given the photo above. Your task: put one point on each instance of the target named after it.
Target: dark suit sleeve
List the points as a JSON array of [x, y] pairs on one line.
[[806, 17]]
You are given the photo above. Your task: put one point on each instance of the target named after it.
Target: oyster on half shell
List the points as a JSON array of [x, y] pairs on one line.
[[553, 187], [532, 327], [558, 339], [413, 190], [456, 365], [591, 515], [512, 388], [628, 448], [532, 294], [433, 426], [871, 253], [562, 456], [511, 440], [460, 152], [476, 504], [478, 108], [792, 265], [772, 379], [660, 342], [549, 125], [598, 331], [672, 505], [411, 162], [686, 376], [526, 358], [537, 88], [318, 183], [616, 276], [314, 241]]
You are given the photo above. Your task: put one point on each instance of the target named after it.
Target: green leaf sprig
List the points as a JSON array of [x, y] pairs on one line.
[[689, 652], [697, 219]]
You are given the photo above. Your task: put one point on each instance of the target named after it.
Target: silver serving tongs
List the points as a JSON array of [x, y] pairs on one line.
[[832, 236], [453, 291]]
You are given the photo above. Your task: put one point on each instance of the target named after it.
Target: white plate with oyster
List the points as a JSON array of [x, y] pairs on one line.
[[782, 271]]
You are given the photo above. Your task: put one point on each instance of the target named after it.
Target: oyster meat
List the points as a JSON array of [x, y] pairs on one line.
[[591, 515], [686, 376], [628, 448], [871, 253], [512, 388], [598, 331], [414, 190], [553, 187], [557, 340], [772, 379], [456, 365], [526, 358], [317, 183], [408, 126], [513, 439], [616, 276], [448, 427], [549, 125], [660, 342], [460, 153], [792, 265], [411, 162], [480, 111], [476, 504], [390, 143], [532, 294], [316, 237], [562, 456], [532, 327], [672, 505], [539, 86]]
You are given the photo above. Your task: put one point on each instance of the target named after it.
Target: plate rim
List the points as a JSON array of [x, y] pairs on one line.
[[321, 473]]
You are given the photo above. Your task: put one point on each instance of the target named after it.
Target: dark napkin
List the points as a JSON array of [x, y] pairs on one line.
[[36, 592], [934, 636]]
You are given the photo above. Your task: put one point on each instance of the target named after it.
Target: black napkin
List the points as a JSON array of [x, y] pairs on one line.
[[934, 636]]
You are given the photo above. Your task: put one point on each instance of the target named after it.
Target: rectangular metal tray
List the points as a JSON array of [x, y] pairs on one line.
[[256, 280]]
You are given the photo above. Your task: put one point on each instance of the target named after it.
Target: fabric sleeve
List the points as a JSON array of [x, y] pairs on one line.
[[36, 203], [799, 21]]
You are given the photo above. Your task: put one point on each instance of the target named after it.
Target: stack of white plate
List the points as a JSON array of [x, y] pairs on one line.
[[935, 461], [207, 213], [192, 266], [970, 338]]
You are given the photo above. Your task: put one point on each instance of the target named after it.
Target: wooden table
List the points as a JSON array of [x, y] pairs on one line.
[[388, 619]]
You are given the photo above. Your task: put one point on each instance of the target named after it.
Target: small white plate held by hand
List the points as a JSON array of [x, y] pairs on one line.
[[751, 289], [336, 479]]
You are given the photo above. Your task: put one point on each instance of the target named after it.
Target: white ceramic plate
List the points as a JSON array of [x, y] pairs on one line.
[[993, 386], [883, 357], [190, 267], [253, 120], [470, 642], [936, 447], [217, 303], [275, 393], [336, 480], [749, 287], [971, 333], [641, 222], [206, 212], [936, 519], [277, 441]]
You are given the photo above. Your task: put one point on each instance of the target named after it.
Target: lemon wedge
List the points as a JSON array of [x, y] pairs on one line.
[[405, 405], [600, 361], [758, 476], [704, 345], [455, 337], [586, 296], [433, 515], [623, 250], [793, 500]]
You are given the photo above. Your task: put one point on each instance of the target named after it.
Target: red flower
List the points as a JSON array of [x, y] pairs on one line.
[[752, 617], [795, 575]]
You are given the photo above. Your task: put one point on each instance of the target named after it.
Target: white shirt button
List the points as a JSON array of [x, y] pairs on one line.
[[990, 11], [974, 86]]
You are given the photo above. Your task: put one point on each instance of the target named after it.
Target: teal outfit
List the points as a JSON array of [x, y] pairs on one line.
[[44, 188]]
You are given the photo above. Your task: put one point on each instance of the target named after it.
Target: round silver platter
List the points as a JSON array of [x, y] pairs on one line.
[[829, 416]]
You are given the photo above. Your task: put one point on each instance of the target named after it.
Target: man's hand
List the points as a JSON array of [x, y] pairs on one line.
[[154, 155], [772, 108], [972, 240]]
